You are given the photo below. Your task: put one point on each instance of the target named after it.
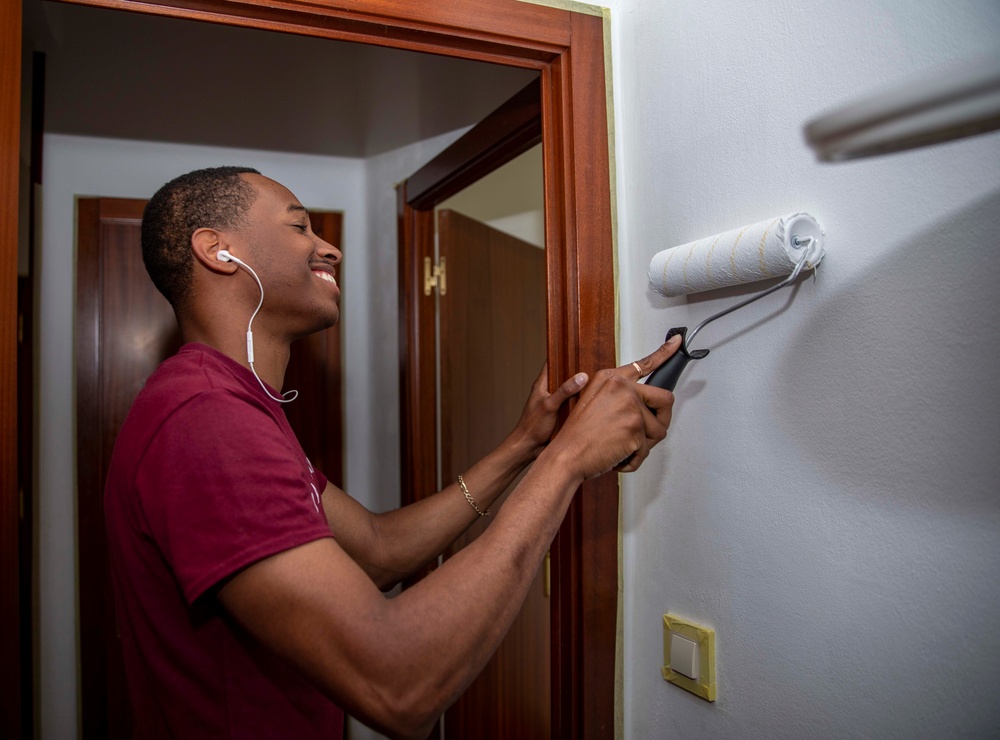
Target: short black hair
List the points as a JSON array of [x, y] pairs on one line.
[[217, 197]]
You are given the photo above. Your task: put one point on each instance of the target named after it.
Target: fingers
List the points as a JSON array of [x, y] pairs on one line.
[[617, 420], [610, 428], [659, 402], [568, 389], [558, 397], [636, 459], [542, 381], [641, 368]]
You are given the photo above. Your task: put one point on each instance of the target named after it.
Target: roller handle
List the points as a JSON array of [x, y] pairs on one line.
[[667, 374]]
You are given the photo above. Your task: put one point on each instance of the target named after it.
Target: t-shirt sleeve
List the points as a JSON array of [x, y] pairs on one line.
[[221, 486]]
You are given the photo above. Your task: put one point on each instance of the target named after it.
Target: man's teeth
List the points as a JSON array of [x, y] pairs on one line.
[[326, 276]]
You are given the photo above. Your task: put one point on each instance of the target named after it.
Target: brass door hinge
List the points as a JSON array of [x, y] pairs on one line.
[[435, 277]]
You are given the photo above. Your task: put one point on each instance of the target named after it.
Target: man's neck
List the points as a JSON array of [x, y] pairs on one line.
[[270, 356]]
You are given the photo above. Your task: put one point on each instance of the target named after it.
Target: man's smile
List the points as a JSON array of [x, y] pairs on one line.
[[325, 276]]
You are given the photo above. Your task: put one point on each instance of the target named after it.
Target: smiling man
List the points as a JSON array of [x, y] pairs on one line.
[[248, 588]]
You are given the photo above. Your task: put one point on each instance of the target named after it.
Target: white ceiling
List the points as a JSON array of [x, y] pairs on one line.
[[133, 76]]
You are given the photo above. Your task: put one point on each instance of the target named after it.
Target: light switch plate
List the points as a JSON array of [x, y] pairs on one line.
[[704, 638], [684, 656]]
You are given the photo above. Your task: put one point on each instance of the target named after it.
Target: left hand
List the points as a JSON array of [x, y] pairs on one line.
[[538, 419]]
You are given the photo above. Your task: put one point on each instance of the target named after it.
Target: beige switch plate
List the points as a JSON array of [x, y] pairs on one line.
[[705, 637]]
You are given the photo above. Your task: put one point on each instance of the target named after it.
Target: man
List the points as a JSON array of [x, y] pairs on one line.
[[247, 586]]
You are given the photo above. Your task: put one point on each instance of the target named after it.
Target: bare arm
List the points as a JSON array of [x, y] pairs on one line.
[[395, 544], [398, 663]]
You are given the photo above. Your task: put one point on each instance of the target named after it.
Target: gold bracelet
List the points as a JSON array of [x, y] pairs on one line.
[[468, 497]]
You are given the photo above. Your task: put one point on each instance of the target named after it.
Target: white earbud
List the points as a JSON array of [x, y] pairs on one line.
[[223, 256]]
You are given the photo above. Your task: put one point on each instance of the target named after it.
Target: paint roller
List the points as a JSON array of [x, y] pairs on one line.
[[784, 245]]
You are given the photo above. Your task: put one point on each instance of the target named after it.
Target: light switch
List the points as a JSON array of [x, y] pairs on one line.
[[689, 656], [684, 656]]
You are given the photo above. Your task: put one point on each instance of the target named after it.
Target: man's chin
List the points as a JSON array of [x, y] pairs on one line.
[[322, 324]]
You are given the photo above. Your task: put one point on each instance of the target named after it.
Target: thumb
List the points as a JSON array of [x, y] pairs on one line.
[[568, 389]]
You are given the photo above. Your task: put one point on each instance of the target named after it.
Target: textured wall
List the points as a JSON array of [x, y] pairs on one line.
[[827, 499]]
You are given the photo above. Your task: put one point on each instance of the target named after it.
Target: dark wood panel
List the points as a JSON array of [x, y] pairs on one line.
[[417, 364], [598, 502], [493, 344], [10, 101], [124, 320], [581, 337]]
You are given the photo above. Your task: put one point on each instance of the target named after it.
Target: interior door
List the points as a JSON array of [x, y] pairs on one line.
[[125, 328], [493, 344]]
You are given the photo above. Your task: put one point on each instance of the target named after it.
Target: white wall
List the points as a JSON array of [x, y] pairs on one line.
[[827, 499], [510, 199], [103, 167]]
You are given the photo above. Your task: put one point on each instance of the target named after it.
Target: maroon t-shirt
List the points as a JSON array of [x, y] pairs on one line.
[[206, 478]]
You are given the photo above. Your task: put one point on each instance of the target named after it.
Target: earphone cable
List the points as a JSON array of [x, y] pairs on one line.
[[288, 396]]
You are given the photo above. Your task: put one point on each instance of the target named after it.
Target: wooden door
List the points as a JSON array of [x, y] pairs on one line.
[[124, 329], [493, 344]]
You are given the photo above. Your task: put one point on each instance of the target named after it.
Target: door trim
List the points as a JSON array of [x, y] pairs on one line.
[[10, 121], [568, 50]]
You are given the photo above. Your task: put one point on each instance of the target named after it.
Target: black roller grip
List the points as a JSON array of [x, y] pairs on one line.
[[667, 374]]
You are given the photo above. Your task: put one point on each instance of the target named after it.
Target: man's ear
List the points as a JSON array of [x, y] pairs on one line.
[[206, 244]]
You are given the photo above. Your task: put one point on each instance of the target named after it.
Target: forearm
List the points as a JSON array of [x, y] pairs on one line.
[[398, 663], [406, 539], [477, 594], [452, 621]]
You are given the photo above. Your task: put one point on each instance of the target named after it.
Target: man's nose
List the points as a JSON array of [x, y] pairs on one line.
[[328, 251]]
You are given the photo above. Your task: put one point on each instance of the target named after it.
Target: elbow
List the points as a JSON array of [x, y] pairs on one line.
[[418, 731], [386, 582], [406, 715], [402, 725]]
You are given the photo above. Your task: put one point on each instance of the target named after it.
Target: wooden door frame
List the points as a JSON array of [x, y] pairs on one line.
[[567, 48], [10, 121]]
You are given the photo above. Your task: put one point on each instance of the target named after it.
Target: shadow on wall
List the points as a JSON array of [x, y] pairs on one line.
[[892, 388]]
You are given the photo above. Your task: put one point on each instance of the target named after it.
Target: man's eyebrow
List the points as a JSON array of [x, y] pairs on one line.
[[296, 207]]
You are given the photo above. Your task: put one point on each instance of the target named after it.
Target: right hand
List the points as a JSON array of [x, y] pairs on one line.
[[617, 420]]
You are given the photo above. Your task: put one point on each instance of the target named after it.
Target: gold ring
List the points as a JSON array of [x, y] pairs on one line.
[[637, 368]]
